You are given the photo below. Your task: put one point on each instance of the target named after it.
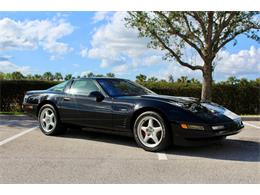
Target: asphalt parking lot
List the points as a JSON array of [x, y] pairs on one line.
[[28, 156]]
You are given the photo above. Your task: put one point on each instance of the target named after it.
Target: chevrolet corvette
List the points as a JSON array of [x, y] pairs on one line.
[[123, 107]]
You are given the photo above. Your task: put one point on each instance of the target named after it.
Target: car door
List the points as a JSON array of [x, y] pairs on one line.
[[79, 108]]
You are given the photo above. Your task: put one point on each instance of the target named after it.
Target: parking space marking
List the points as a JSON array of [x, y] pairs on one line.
[[17, 135], [162, 156], [246, 123]]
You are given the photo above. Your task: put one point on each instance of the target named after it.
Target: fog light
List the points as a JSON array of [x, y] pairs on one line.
[[219, 127], [187, 126]]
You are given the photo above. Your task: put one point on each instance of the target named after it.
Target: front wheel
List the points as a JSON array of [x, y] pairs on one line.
[[151, 132], [49, 121]]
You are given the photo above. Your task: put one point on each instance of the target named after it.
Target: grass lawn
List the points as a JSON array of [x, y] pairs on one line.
[[12, 113]]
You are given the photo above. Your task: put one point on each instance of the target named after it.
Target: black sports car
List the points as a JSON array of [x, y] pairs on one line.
[[124, 107]]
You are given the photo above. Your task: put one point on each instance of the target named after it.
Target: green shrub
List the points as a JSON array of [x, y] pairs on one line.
[[240, 98], [12, 92]]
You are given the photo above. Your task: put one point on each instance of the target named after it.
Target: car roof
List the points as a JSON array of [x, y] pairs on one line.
[[96, 78]]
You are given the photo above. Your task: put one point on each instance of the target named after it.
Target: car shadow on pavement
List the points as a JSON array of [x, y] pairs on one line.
[[99, 136], [229, 149]]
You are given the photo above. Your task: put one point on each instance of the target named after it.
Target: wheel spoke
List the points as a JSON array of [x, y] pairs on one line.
[[154, 138], [46, 113], [150, 123], [47, 126], [52, 124], [157, 129], [51, 115], [143, 129], [146, 138]]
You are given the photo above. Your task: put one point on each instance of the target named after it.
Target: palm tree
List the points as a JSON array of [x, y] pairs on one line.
[[58, 76], [48, 76], [141, 78], [17, 76], [37, 77], [182, 79], [68, 77], [110, 74], [195, 81], [152, 79], [90, 74]]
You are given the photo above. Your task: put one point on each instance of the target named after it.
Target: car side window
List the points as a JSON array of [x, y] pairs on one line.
[[60, 87], [83, 87]]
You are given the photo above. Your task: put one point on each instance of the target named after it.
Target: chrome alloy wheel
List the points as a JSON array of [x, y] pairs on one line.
[[48, 120], [150, 131]]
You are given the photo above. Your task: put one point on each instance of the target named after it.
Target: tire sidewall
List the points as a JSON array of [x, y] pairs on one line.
[[165, 139]]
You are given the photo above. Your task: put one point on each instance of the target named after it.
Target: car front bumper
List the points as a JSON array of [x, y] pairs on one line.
[[192, 137], [30, 109]]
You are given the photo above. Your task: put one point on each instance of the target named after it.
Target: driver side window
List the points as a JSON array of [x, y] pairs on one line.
[[83, 87]]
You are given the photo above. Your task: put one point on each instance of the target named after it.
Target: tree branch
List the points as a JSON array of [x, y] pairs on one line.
[[196, 16], [223, 25], [174, 54], [225, 41], [178, 33]]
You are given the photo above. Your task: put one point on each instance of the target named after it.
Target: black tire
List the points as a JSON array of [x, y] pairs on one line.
[[166, 136], [59, 128]]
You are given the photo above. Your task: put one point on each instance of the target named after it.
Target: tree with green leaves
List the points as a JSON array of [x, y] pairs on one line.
[[58, 76], [68, 77], [110, 74], [37, 77], [90, 74], [194, 81], [99, 75], [232, 80], [141, 78], [2, 76], [29, 77], [182, 79], [152, 79], [17, 75], [205, 33], [48, 76]]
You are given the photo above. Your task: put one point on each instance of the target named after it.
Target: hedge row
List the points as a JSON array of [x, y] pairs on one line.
[[242, 99], [12, 92]]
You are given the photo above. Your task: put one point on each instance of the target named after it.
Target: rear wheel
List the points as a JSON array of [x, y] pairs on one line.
[[49, 121], [151, 132]]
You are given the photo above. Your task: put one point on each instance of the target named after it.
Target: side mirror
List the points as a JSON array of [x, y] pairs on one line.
[[99, 96]]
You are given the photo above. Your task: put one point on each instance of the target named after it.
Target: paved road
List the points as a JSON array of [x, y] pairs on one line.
[[28, 156]]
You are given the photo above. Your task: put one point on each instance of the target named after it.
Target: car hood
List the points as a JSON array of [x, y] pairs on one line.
[[176, 99], [204, 109], [35, 92]]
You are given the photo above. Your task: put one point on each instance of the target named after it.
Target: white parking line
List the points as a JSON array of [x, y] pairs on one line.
[[162, 156], [17, 135], [246, 123]]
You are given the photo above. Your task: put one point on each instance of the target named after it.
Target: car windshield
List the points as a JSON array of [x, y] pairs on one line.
[[121, 87]]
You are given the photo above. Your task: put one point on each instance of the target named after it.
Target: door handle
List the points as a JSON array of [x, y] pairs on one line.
[[66, 99]]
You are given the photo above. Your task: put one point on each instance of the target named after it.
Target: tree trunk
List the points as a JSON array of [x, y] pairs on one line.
[[206, 93]]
